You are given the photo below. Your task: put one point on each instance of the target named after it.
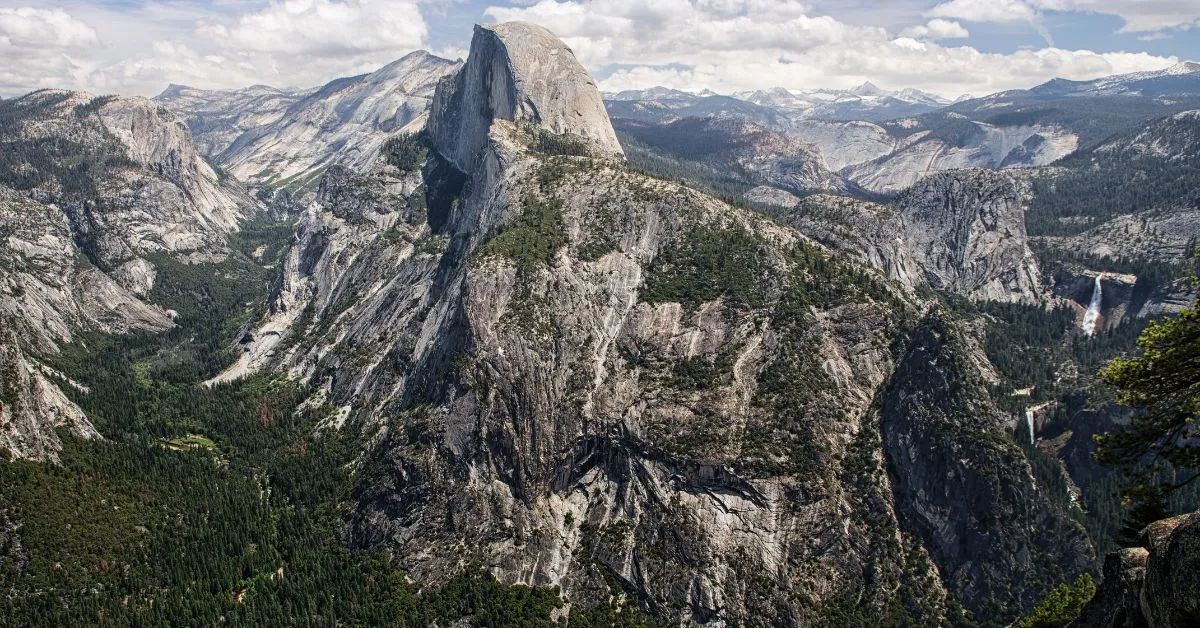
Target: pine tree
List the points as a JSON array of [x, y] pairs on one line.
[[1165, 383], [1145, 507], [1062, 605]]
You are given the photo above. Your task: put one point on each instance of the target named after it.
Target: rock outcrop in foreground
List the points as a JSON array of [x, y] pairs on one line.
[[1156, 585]]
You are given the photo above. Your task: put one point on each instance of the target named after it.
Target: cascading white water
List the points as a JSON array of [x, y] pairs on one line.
[[1092, 317], [1029, 422]]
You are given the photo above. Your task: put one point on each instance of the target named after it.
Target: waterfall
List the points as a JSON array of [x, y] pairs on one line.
[[1029, 421], [1093, 312]]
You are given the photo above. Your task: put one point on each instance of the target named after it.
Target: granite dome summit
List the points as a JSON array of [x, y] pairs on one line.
[[518, 72]]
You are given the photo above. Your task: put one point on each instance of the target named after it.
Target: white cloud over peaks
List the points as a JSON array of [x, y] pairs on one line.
[[937, 28], [55, 28], [142, 48], [731, 46], [286, 43], [667, 31], [138, 47], [1001, 11], [322, 27], [1141, 16], [40, 46]]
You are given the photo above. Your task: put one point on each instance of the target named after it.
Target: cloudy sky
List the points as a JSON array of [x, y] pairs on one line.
[[949, 47]]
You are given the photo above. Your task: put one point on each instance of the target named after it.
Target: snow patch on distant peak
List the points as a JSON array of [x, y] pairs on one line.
[[1184, 67], [868, 89]]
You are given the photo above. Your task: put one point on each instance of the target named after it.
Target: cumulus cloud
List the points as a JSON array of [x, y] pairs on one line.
[[749, 45], [288, 42], [284, 42], [725, 45], [29, 26], [324, 28], [1000, 11], [41, 46], [937, 28], [1140, 16]]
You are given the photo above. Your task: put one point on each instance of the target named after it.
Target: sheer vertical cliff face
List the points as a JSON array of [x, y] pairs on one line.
[[967, 230], [96, 186], [159, 142], [552, 420], [139, 185], [962, 232], [518, 75], [871, 232], [518, 72]]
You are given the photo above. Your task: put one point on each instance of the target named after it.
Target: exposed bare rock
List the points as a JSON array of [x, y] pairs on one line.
[[844, 144], [345, 122], [731, 146], [46, 293], [218, 117], [506, 399], [872, 232], [963, 232], [967, 144], [973, 501], [967, 230], [1123, 297], [32, 408], [96, 187], [1116, 603], [1171, 592], [1165, 234], [1154, 585], [518, 72], [772, 196], [582, 376], [364, 242], [159, 142], [145, 188]]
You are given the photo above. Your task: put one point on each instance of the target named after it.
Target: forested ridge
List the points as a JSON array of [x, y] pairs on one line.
[[1147, 169]]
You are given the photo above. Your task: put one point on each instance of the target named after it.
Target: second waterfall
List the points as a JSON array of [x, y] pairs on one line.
[[1092, 317]]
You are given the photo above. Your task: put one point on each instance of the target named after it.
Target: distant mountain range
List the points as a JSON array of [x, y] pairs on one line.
[[286, 138], [866, 138], [884, 141], [865, 102]]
